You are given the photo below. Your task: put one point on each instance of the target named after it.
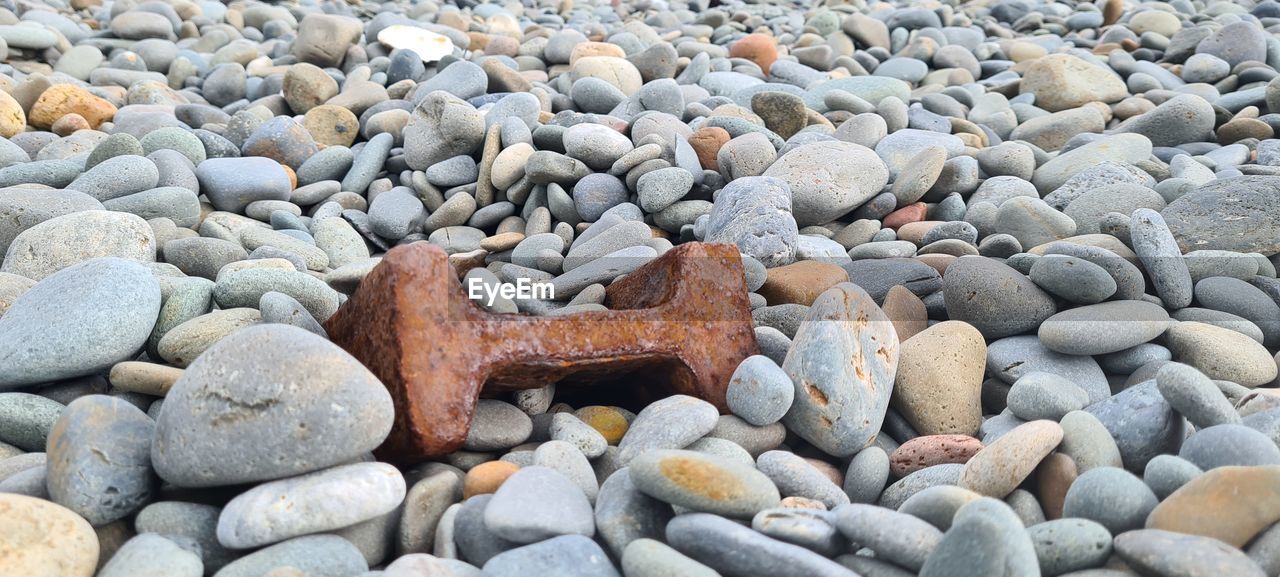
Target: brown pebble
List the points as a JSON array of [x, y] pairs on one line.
[[914, 212], [906, 311], [146, 378], [706, 142], [930, 450], [69, 124], [1054, 476], [801, 282]]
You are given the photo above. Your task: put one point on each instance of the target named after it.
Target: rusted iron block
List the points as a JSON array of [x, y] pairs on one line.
[[683, 318]]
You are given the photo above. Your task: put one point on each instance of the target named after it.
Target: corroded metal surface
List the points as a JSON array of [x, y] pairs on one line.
[[681, 322]]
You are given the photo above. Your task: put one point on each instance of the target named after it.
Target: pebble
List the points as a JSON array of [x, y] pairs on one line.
[[942, 397], [538, 503], [149, 555], [276, 511], [1164, 552], [1113, 497], [55, 542], [896, 537], [568, 555], [1001, 466], [840, 409], [732, 549], [671, 423], [101, 490], [314, 555], [281, 430], [759, 391], [1103, 328], [994, 298], [703, 483], [1066, 545], [78, 321]]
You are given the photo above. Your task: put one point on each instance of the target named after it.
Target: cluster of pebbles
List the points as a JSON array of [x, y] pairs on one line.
[[1012, 266]]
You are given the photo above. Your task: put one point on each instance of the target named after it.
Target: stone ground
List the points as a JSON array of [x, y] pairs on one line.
[[1011, 265]]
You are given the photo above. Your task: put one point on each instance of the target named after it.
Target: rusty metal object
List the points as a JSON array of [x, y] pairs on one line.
[[684, 318]]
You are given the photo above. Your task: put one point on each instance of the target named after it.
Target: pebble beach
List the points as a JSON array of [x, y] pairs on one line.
[[1001, 297]]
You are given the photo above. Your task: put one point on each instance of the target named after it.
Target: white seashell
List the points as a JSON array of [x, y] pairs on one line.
[[429, 45]]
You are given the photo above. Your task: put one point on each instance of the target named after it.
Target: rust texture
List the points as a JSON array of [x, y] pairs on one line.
[[682, 322]]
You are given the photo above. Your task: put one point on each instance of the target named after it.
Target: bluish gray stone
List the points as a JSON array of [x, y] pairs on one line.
[[567, 555], [538, 503], [78, 321], [283, 428], [315, 555], [101, 490], [232, 183], [671, 423], [1142, 423], [895, 537], [1113, 497], [1066, 545], [733, 549]]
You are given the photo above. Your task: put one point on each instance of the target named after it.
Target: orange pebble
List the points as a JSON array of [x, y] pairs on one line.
[[759, 48], [914, 212], [485, 478]]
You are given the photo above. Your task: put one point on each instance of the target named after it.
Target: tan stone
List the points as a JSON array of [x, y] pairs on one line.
[[758, 48], [329, 125], [1000, 467], [501, 242], [12, 118], [616, 71], [801, 282], [586, 49], [907, 312], [1230, 504], [146, 378], [485, 478], [939, 384], [62, 99], [1221, 353], [41, 539], [1062, 81]]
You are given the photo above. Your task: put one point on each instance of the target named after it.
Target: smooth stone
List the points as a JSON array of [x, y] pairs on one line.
[[190, 523], [1220, 353], [671, 423], [1037, 395], [703, 483], [314, 555], [1141, 422], [1237, 214], [994, 298], [759, 391], [1002, 465], [282, 430], [733, 549], [624, 514], [66, 240], [1161, 257], [150, 555], [279, 510], [1229, 445], [896, 537], [839, 406], [938, 386], [101, 490], [1103, 328], [78, 321], [43, 539], [796, 477], [1112, 497], [823, 190], [232, 183], [651, 558], [567, 555], [1067, 545], [1158, 552], [538, 503], [1195, 396], [1010, 358]]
